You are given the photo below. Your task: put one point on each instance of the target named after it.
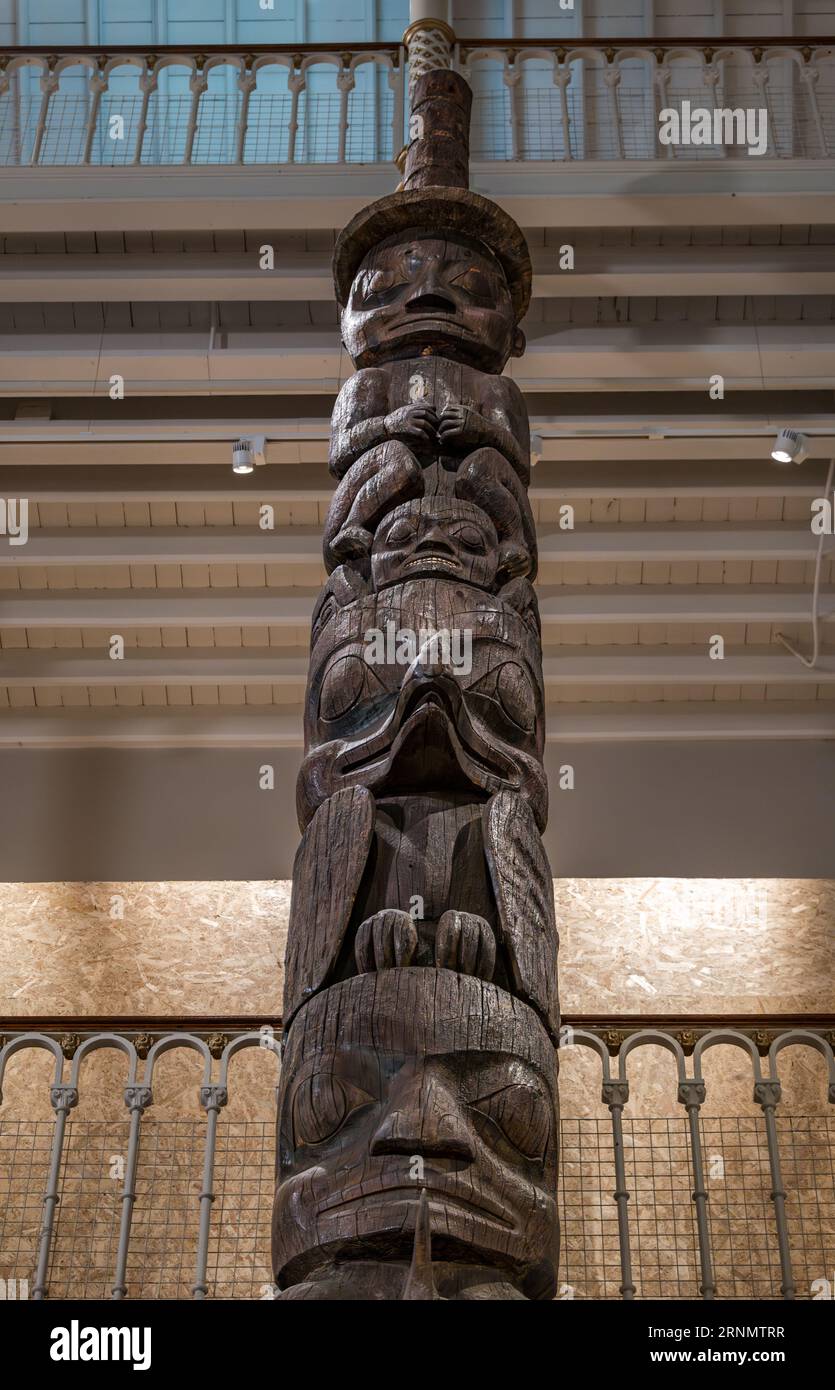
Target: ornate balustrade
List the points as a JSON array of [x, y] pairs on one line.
[[534, 100], [172, 1197]]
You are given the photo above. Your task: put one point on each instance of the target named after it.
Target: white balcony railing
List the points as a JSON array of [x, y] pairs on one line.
[[533, 101]]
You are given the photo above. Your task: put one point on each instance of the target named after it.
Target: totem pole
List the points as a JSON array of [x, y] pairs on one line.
[[418, 1111]]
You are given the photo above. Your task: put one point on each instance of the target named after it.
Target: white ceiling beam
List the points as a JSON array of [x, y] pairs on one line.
[[634, 418], [632, 357], [635, 448], [254, 727], [115, 610], [51, 666], [301, 545], [284, 666], [161, 458], [664, 603], [593, 193], [210, 545], [282, 727], [306, 275], [311, 482]]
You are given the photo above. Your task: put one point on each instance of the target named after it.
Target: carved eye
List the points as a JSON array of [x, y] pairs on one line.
[[511, 687], [470, 538], [402, 531], [347, 681], [473, 282], [373, 284], [414, 259], [521, 1114], [342, 686], [321, 1106]]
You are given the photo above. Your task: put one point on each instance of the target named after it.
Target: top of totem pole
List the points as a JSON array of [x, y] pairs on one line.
[[435, 192]]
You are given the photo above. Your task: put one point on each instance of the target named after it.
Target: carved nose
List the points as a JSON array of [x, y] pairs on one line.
[[424, 1120], [436, 539], [431, 299]]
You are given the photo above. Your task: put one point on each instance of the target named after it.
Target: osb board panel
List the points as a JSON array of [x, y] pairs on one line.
[[694, 945], [143, 948], [665, 945], [634, 946]]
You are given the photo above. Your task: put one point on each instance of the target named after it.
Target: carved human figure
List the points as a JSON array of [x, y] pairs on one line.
[[430, 323], [437, 315], [417, 1080]]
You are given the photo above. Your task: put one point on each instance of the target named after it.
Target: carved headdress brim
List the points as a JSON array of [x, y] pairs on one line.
[[446, 211]]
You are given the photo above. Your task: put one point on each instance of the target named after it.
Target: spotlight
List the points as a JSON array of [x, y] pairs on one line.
[[246, 453], [790, 446]]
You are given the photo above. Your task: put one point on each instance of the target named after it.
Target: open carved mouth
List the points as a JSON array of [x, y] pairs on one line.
[[433, 562], [427, 721]]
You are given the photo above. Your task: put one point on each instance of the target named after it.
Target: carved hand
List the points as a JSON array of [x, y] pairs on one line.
[[460, 425], [416, 423]]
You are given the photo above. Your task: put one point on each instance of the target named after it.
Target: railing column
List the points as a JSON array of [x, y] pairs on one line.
[[98, 85], [147, 86], [562, 78], [247, 80], [397, 83], [660, 85], [137, 1099], [212, 1099], [761, 76], [767, 1095], [612, 77], [296, 84], [691, 1095], [49, 84], [63, 1098], [810, 77], [345, 82], [197, 83], [616, 1095], [712, 78], [510, 77]]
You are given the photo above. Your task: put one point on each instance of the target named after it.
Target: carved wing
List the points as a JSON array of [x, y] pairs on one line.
[[524, 890], [327, 871]]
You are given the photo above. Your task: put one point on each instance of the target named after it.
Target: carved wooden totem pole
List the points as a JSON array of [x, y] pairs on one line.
[[417, 1131]]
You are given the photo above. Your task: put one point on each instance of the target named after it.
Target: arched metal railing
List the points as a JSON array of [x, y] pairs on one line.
[[216, 1045], [534, 100]]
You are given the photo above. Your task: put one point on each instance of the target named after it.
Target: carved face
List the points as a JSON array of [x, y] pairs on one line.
[[418, 1078], [434, 536], [388, 708], [416, 293]]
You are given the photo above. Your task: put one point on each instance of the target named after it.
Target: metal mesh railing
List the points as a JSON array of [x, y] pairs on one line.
[[683, 1206], [538, 102], [164, 1233]]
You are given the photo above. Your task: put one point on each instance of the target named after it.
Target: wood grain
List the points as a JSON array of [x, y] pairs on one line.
[[417, 1140]]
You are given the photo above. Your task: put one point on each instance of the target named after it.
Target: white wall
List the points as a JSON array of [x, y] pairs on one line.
[[723, 809]]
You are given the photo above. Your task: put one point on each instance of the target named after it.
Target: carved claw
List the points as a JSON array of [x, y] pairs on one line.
[[351, 543], [466, 943], [387, 939]]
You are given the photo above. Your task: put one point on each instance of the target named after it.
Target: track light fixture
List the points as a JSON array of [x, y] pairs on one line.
[[790, 446], [247, 454]]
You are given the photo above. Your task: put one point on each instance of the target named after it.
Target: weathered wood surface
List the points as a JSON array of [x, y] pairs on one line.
[[421, 984], [409, 1080]]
